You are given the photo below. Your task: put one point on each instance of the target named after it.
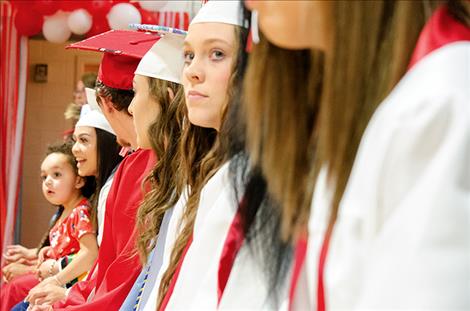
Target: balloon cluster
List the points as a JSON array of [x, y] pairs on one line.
[[58, 19]]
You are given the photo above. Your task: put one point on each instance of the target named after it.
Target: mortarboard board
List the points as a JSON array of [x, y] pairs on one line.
[[123, 50], [216, 11]]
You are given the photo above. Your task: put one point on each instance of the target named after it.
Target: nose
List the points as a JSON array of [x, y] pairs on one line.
[[194, 71], [75, 149], [130, 109], [48, 180]]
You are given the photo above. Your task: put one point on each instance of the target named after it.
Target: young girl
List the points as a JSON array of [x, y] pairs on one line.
[[97, 154], [211, 70], [390, 231], [72, 232]]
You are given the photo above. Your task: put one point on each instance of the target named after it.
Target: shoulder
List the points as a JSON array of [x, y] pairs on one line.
[[134, 166], [440, 81]]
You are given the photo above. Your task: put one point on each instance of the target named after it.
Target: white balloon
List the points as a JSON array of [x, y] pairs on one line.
[[123, 14], [152, 5], [79, 21], [55, 28]]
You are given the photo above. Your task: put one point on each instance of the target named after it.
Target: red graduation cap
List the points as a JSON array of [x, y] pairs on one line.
[[123, 50]]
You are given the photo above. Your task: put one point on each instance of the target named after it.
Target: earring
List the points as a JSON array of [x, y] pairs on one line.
[[254, 27]]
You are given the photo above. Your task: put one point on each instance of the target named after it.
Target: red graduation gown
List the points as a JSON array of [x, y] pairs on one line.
[[118, 262]]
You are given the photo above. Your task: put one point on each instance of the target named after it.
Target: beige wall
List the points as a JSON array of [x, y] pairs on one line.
[[44, 124]]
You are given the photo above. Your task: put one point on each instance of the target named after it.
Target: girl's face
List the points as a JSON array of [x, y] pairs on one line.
[[209, 52], [144, 110], [60, 183], [85, 150], [295, 24]]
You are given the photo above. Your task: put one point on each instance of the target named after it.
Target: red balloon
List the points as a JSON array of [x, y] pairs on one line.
[[45, 7], [71, 5], [28, 22], [99, 7], [100, 25], [149, 17]]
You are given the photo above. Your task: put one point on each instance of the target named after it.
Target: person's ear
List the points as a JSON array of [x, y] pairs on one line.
[[106, 104], [171, 94], [79, 182]]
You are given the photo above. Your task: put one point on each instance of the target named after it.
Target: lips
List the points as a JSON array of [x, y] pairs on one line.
[[80, 162], [194, 95], [50, 192]]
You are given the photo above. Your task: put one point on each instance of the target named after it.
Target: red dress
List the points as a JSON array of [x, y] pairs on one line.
[[64, 238], [118, 264]]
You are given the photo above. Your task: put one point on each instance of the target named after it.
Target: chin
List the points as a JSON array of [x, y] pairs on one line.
[[201, 119], [83, 172]]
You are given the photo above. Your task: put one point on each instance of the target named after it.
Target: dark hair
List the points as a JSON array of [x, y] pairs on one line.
[[107, 153], [121, 99], [87, 190]]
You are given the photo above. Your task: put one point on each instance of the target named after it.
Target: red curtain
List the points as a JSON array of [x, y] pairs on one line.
[[13, 61]]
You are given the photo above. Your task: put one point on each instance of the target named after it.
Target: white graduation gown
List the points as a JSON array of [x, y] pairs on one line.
[[402, 237], [196, 287], [150, 304]]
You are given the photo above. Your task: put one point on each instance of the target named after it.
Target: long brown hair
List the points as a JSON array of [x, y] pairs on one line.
[[164, 135], [203, 151], [294, 129]]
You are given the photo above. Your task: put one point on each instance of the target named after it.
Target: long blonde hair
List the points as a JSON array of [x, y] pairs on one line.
[[294, 130]]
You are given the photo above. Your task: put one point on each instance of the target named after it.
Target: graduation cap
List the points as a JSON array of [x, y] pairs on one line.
[[94, 118], [123, 50], [91, 99], [226, 12], [165, 60]]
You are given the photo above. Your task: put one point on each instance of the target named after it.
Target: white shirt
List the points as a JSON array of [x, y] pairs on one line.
[[101, 208], [402, 236]]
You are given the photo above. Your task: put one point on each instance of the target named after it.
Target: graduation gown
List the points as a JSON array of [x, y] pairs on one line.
[[118, 264], [402, 236], [196, 285], [140, 292], [150, 292]]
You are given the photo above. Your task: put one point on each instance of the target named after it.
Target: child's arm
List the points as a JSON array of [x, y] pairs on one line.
[[15, 269], [19, 253], [81, 263]]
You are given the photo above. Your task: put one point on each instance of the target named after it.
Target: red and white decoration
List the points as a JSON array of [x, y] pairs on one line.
[[13, 66], [58, 19]]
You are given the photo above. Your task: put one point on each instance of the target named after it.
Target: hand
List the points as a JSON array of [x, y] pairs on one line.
[[17, 252], [47, 268], [40, 308], [43, 254], [15, 269], [45, 293]]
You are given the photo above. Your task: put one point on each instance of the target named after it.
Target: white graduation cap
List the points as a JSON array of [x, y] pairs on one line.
[[164, 60], [91, 99], [95, 119], [217, 11]]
